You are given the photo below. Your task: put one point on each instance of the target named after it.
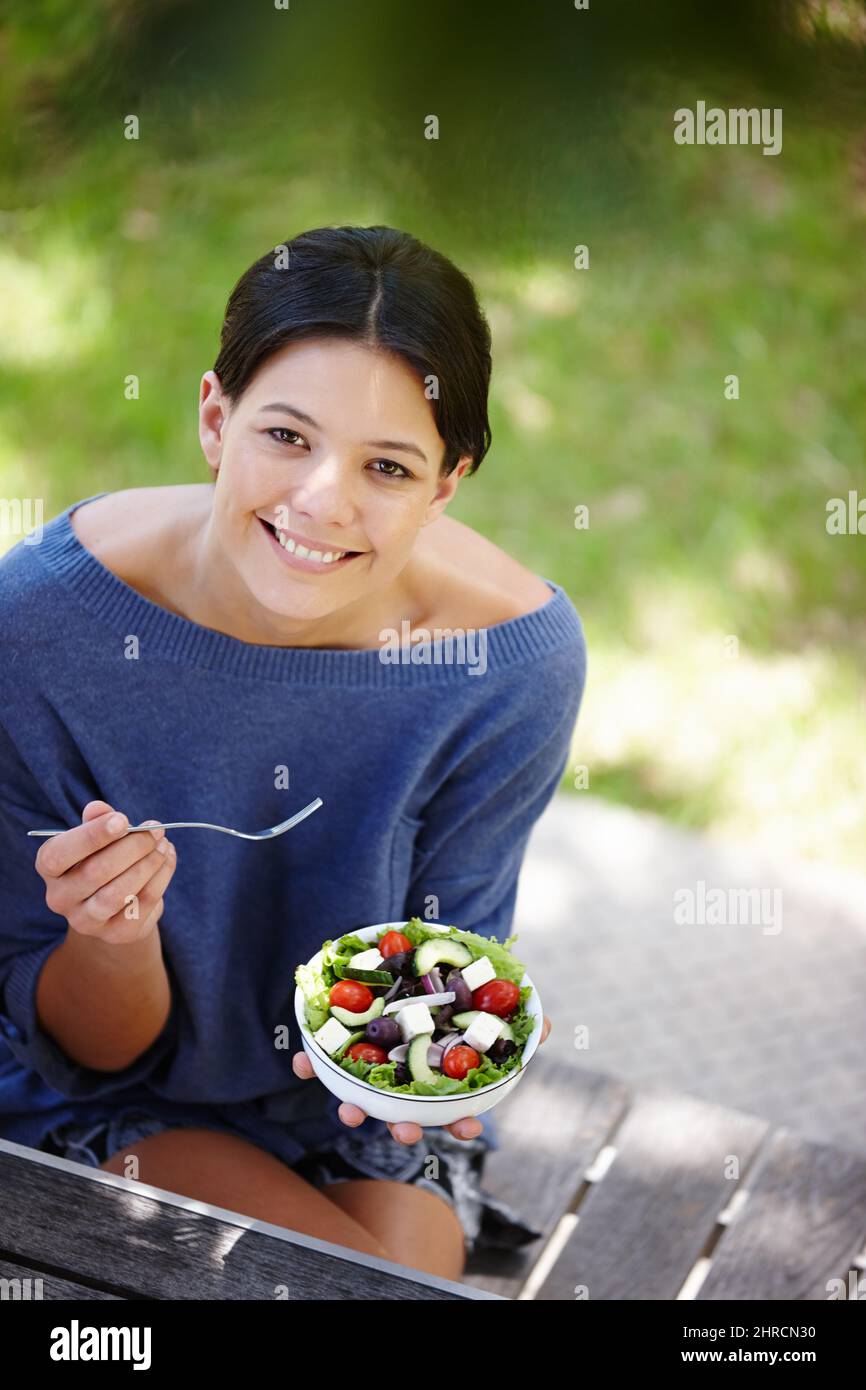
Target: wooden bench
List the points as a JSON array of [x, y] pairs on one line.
[[645, 1193], [87, 1234]]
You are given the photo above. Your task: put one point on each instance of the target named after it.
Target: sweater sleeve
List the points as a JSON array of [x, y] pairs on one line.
[[473, 834], [29, 932]]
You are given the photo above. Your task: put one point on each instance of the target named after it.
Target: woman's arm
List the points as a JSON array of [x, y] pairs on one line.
[[104, 995], [91, 1017], [104, 1004]]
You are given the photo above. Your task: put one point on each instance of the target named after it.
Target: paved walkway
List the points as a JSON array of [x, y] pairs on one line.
[[771, 1022]]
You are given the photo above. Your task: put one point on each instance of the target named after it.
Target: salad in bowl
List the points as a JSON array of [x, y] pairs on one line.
[[418, 1021]]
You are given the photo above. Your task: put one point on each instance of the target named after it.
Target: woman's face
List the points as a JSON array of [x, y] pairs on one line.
[[332, 449]]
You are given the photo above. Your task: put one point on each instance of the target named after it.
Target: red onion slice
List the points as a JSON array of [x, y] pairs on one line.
[[452, 1042], [435, 1053], [446, 997], [433, 982]]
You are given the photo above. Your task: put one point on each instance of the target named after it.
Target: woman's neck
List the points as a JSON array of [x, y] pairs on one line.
[[214, 595]]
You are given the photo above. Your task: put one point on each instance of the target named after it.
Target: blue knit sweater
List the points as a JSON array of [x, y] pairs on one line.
[[431, 776]]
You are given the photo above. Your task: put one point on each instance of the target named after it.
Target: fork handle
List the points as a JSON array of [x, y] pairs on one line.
[[160, 825]]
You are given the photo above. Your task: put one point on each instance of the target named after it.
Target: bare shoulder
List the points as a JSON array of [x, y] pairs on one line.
[[138, 533], [479, 584], [123, 518]]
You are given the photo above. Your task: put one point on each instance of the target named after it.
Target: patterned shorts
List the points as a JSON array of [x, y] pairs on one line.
[[450, 1168]]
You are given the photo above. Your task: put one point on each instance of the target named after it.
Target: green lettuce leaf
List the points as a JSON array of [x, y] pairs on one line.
[[350, 945], [316, 990]]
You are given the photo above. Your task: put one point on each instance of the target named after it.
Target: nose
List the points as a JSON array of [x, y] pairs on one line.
[[326, 494]]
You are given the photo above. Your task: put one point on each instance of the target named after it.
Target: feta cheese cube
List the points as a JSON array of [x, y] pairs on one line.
[[415, 1019], [478, 972], [367, 960], [331, 1035], [483, 1032]]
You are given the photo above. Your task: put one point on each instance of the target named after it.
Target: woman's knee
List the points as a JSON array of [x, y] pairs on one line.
[[417, 1228]]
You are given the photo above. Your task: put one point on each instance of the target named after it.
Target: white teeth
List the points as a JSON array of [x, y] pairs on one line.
[[327, 557]]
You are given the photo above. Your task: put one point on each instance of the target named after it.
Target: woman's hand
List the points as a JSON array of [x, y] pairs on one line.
[[405, 1132], [92, 871]]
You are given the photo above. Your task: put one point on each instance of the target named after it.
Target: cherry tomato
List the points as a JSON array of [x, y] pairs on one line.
[[392, 943], [367, 1052], [458, 1060], [351, 995], [499, 997]]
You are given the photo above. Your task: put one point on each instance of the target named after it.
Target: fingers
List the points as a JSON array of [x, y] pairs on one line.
[[545, 1029], [468, 1128], [92, 893], [67, 892], [405, 1132], [145, 909], [63, 851], [351, 1115]]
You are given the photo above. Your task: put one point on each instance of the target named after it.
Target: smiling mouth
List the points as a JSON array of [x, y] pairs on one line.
[[309, 558]]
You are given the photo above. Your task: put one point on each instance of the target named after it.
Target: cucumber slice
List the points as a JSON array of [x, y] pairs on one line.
[[463, 1021], [350, 1042], [367, 977], [416, 1058], [348, 1018], [430, 953]]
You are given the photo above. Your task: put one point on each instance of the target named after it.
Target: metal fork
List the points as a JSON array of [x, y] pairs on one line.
[[268, 834]]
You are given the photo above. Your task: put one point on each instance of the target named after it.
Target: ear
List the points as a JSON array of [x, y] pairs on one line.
[[446, 490], [212, 416]]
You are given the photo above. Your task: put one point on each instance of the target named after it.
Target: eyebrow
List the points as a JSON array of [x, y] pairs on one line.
[[400, 444]]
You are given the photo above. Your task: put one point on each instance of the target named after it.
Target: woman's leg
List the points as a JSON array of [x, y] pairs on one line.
[[228, 1171], [420, 1229]]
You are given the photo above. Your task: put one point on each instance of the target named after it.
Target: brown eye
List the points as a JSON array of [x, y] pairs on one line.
[[281, 429], [403, 473]]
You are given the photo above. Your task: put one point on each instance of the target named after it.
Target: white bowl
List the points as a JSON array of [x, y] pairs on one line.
[[421, 1110]]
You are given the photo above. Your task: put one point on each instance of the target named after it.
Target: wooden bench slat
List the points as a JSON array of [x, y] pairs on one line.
[[44, 1288], [803, 1223], [146, 1243], [551, 1130], [643, 1226]]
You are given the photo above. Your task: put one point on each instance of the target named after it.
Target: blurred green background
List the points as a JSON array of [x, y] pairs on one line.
[[707, 515]]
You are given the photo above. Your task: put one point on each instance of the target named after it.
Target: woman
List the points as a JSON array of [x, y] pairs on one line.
[[224, 652]]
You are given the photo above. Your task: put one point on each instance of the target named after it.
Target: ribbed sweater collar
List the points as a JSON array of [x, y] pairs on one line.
[[111, 600]]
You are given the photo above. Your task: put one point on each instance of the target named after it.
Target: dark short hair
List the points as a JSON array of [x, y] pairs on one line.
[[384, 289]]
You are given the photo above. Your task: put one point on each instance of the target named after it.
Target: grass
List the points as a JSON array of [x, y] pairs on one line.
[[727, 643]]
